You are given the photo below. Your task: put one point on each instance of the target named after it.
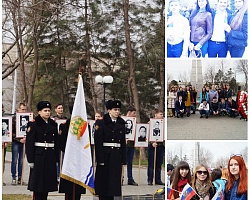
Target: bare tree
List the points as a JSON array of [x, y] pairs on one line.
[[222, 161], [210, 74], [205, 156], [242, 66]]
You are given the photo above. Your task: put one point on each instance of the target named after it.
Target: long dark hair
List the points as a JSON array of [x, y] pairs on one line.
[[177, 176], [197, 8]]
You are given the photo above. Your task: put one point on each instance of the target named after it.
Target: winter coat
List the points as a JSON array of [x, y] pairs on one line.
[[109, 159], [43, 176]]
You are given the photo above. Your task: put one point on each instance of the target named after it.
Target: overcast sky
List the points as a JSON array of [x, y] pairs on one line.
[[218, 149], [175, 66]]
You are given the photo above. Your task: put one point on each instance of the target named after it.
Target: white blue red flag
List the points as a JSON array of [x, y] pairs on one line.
[[187, 192], [169, 192], [77, 164], [219, 194]]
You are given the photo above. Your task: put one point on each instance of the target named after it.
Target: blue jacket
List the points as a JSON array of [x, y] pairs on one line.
[[206, 97], [238, 38], [229, 106], [232, 193], [223, 105]]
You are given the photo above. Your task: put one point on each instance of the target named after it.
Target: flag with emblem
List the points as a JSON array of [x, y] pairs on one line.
[[187, 192], [219, 194], [77, 164]]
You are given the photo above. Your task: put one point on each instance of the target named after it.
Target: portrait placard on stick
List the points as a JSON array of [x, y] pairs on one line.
[[92, 131], [156, 130], [130, 125], [7, 129], [22, 120], [141, 135]]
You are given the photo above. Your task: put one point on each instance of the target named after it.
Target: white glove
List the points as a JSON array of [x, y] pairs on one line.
[[31, 165], [101, 163]]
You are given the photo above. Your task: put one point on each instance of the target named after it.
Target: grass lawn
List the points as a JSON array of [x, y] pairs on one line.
[[16, 197]]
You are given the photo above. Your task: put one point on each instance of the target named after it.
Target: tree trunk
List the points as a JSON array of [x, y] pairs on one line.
[[162, 61], [131, 62], [91, 83], [35, 50]]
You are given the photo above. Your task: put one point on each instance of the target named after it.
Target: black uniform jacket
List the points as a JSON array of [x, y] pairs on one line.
[[43, 176], [108, 176], [65, 185]]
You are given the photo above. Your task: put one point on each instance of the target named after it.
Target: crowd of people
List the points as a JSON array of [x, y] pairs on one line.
[[203, 30], [213, 101], [206, 182]]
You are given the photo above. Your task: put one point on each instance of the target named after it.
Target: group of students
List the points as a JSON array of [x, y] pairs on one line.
[[207, 31], [214, 101], [233, 180]]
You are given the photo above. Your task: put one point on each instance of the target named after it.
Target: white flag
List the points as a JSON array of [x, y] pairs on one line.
[[77, 164]]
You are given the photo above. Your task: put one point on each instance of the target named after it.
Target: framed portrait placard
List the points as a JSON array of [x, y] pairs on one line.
[[60, 121], [130, 125], [6, 129], [92, 131], [22, 120], [156, 133], [141, 135]]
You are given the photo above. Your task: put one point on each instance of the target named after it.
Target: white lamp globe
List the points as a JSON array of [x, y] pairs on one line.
[[107, 79], [98, 79]]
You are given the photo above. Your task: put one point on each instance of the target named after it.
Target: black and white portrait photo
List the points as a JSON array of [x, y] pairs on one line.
[[141, 136], [6, 129], [22, 120], [156, 130], [130, 127]]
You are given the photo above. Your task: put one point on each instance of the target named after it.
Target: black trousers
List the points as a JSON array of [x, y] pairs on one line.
[[103, 197], [69, 196], [40, 195]]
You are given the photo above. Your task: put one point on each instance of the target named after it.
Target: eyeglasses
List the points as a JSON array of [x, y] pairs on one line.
[[202, 172], [235, 155]]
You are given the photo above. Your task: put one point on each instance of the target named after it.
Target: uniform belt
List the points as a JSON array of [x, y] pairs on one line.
[[105, 144], [41, 144]]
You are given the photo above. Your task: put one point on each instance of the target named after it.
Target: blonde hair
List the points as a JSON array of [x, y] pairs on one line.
[[237, 20]]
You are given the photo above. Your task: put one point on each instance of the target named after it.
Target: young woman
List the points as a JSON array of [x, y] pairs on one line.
[[171, 101], [216, 179], [194, 99], [182, 176], [225, 175], [188, 96], [203, 95], [237, 30], [202, 184], [201, 27], [236, 187]]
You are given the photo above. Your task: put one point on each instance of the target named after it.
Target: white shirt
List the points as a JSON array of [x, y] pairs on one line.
[[178, 26], [206, 106], [220, 20]]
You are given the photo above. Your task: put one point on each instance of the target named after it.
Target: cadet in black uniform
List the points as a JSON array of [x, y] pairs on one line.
[[65, 185], [42, 152], [110, 147]]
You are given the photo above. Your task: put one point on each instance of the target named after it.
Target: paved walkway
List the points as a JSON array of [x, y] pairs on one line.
[[213, 128], [142, 189]]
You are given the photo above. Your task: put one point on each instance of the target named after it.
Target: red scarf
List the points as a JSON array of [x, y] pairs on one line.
[[181, 184]]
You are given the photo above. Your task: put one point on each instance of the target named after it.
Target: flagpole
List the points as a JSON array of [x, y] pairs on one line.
[[23, 163], [154, 166], [94, 162], [139, 167], [122, 174]]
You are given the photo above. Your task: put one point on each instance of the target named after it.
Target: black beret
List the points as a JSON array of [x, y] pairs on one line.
[[113, 104], [43, 104]]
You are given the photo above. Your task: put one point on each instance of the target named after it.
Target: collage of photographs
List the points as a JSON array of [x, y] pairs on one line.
[[207, 99], [124, 100]]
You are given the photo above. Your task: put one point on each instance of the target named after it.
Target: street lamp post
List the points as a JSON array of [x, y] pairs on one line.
[[103, 81]]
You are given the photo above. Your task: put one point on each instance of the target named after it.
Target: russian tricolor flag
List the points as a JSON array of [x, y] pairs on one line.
[[187, 192], [169, 192], [219, 194]]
